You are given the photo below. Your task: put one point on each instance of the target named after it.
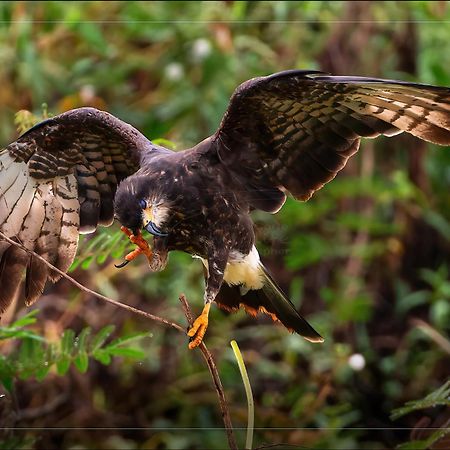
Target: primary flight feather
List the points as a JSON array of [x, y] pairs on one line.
[[287, 133]]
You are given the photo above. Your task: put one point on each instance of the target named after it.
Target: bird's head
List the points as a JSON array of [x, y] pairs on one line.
[[140, 204]]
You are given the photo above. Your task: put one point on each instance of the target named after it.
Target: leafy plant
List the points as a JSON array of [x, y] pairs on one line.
[[440, 396], [34, 356]]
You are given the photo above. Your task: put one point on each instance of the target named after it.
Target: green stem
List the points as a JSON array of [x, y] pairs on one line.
[[248, 393]]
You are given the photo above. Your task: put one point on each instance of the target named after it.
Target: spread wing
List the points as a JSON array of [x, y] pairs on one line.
[[294, 131], [56, 181]]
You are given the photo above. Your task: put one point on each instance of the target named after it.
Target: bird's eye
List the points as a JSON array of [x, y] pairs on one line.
[[143, 204]]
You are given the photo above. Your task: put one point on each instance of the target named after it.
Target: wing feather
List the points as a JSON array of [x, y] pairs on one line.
[[295, 130], [68, 237], [15, 201], [57, 180], [11, 270], [46, 244]]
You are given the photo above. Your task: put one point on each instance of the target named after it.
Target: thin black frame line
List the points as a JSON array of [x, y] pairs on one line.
[[237, 22], [221, 428]]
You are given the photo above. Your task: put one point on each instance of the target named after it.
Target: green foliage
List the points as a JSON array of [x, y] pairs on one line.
[[35, 357], [98, 248], [440, 396], [364, 259], [25, 119], [425, 444]]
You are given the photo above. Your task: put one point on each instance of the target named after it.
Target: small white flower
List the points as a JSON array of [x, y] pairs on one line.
[[357, 361], [87, 93], [201, 49], [174, 71]]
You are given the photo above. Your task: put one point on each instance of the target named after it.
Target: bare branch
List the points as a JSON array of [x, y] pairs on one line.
[[205, 352], [93, 293], [215, 376]]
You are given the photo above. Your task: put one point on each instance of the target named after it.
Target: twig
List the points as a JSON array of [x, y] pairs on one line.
[[205, 352], [95, 294], [215, 375], [47, 408], [432, 333]]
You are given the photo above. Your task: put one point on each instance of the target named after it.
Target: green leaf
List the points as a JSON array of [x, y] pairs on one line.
[[116, 348], [128, 339], [74, 265], [426, 443], [165, 143], [413, 445], [31, 355], [62, 364], [6, 373], [101, 337], [12, 333], [101, 258], [82, 362], [81, 340], [42, 372], [439, 222], [67, 342], [102, 356], [87, 262], [52, 353], [27, 319], [440, 396], [126, 351]]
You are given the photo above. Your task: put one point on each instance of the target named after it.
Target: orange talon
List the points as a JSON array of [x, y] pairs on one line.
[[127, 231], [142, 244], [142, 247], [130, 256], [198, 329]]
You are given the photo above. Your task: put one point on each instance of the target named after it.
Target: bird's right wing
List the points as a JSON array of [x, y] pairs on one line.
[[56, 181]]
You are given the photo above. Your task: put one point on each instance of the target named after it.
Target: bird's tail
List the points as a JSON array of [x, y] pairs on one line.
[[269, 299]]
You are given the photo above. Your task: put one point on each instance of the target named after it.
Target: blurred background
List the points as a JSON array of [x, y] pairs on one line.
[[366, 260]]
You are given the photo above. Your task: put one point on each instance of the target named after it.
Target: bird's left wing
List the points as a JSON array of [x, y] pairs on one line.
[[56, 181], [294, 131]]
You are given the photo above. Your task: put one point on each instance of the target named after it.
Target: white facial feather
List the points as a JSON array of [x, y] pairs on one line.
[[157, 211], [160, 214]]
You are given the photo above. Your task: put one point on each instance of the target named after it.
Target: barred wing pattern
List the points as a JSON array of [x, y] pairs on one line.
[[295, 130], [57, 180]]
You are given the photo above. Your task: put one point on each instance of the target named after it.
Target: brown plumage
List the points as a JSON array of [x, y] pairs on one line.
[[288, 133]]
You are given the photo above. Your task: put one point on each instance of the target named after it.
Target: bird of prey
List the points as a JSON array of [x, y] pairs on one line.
[[284, 134]]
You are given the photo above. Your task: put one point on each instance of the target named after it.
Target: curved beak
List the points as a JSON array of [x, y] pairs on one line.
[[153, 229]]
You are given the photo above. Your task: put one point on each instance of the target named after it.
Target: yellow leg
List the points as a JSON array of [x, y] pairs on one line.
[[198, 329]]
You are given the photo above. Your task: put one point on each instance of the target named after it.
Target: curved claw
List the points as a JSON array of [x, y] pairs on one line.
[[123, 264]]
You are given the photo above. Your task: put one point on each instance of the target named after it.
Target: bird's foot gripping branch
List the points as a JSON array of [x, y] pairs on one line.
[[142, 247], [198, 329]]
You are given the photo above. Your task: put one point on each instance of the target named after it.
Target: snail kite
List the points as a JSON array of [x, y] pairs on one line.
[[287, 133]]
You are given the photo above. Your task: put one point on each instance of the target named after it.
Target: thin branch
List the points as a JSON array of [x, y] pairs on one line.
[[432, 333], [93, 293], [205, 352], [215, 376], [46, 408]]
